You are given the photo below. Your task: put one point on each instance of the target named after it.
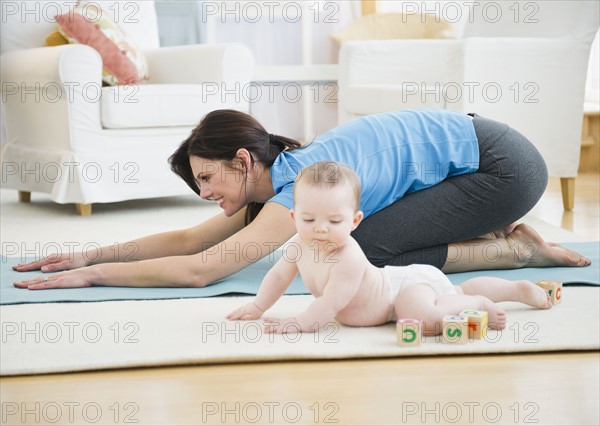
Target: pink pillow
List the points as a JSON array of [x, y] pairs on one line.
[[88, 24]]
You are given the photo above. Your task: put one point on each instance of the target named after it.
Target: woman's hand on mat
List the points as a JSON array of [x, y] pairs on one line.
[[248, 312], [283, 325], [69, 279], [53, 263]]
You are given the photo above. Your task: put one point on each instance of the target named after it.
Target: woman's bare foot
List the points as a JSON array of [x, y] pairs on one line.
[[503, 232], [533, 295], [530, 250], [500, 233], [496, 315]]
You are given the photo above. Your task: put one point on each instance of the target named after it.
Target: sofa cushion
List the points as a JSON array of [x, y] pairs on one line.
[[162, 105], [88, 24]]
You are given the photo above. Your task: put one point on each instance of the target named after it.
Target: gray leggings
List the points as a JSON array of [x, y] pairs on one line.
[[512, 177]]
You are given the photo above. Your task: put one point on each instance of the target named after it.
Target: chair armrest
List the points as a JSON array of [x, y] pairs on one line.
[[200, 63], [51, 94], [72, 63]]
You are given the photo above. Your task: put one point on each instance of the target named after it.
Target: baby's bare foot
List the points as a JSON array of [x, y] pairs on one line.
[[496, 315], [532, 251], [533, 295]]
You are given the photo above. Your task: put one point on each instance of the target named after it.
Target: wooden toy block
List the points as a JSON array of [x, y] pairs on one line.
[[408, 332], [455, 329], [477, 322], [554, 289]]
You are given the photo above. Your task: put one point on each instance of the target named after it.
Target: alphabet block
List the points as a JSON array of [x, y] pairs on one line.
[[477, 321], [455, 329], [408, 332], [554, 289]]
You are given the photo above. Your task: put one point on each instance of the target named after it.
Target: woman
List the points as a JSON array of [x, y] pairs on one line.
[[438, 187]]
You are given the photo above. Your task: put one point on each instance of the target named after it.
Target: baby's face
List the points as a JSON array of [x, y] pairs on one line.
[[325, 218]]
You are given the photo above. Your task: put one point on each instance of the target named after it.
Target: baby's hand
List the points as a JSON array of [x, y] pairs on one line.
[[247, 312], [282, 325]]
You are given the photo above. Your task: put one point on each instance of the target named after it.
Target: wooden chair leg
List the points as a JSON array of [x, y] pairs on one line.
[[368, 7], [83, 209], [24, 197], [568, 193]]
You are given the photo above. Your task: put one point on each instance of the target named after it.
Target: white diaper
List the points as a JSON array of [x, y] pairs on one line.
[[402, 277]]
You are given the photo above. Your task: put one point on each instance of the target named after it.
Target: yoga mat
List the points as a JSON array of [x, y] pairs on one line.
[[247, 281], [66, 337]]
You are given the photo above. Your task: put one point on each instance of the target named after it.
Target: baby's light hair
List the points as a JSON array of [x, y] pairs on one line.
[[330, 174]]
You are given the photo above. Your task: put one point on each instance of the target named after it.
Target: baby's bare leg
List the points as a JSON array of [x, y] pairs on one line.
[[423, 303], [500, 290]]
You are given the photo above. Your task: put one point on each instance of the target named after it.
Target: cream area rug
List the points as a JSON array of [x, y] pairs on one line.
[[66, 337]]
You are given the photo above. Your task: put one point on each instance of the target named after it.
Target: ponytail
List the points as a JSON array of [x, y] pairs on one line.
[[278, 144]]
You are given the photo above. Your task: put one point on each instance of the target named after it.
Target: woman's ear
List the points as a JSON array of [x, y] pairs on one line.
[[243, 155], [358, 217]]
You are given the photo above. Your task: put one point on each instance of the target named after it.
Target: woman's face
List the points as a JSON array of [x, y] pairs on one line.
[[221, 183]]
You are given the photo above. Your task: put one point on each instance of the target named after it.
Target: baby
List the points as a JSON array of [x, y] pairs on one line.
[[348, 288]]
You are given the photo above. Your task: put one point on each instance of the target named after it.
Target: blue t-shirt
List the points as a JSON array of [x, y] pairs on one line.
[[393, 153]]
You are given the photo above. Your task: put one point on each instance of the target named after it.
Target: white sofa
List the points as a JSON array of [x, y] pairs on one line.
[[528, 72], [80, 143]]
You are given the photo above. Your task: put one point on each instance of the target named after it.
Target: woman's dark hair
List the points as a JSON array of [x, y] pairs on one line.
[[219, 136]]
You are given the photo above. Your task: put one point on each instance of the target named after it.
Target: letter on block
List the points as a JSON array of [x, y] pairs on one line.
[[455, 329], [554, 289], [409, 332], [477, 321]]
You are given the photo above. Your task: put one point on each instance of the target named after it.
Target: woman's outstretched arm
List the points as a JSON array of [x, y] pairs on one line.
[[271, 228], [174, 243]]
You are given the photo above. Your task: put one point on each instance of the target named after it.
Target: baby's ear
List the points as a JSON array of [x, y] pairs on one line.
[[292, 214], [358, 217]]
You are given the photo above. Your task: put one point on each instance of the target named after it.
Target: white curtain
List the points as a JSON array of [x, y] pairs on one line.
[[177, 22], [275, 35]]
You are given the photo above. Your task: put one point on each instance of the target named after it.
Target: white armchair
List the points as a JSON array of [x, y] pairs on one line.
[[529, 72], [82, 143]]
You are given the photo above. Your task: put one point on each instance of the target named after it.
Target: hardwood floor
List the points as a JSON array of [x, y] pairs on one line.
[[546, 388], [550, 388]]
